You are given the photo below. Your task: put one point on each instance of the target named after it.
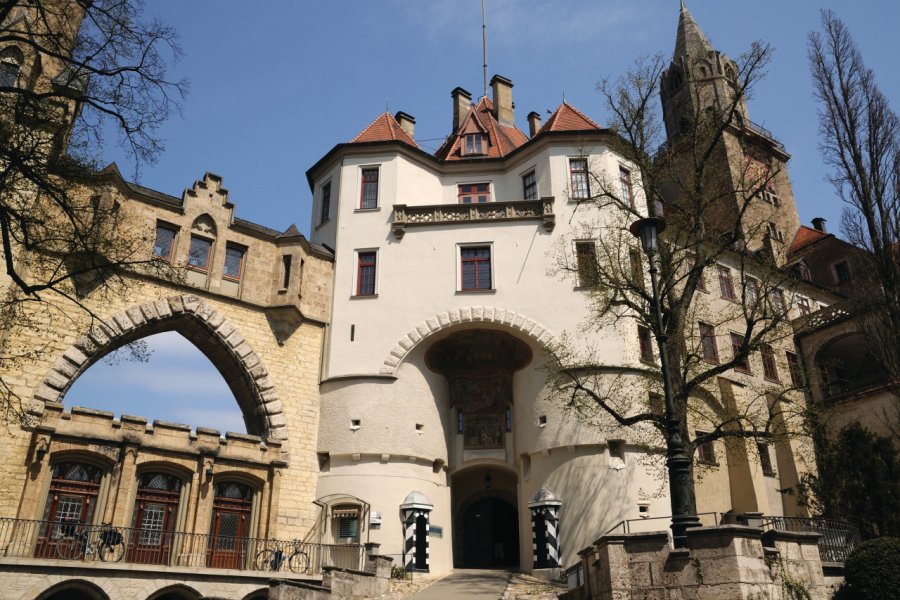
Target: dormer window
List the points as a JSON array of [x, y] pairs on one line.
[[474, 144]]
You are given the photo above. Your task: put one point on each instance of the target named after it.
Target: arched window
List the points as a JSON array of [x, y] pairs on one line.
[[10, 64], [155, 515], [231, 524], [72, 500]]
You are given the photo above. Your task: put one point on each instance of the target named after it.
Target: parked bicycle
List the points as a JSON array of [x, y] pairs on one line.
[[273, 559], [76, 543]]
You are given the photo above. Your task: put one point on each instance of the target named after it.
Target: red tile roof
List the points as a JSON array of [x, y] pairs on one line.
[[502, 139], [568, 118], [384, 129], [805, 236]]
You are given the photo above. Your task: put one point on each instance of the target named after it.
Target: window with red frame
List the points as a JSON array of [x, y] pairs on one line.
[[737, 345], [474, 193], [765, 459], [198, 253], [234, 262], [369, 193], [165, 241], [578, 174], [708, 343], [625, 182], [637, 269], [365, 274], [803, 305], [770, 368], [529, 186], [646, 341], [794, 369], [726, 285], [706, 451], [475, 268]]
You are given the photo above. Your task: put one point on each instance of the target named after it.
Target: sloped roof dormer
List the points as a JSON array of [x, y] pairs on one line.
[[501, 139]]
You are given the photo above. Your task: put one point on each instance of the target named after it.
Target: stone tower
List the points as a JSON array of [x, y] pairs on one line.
[[701, 83]]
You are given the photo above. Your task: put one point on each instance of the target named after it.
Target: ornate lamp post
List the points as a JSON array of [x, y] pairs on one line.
[[678, 462]]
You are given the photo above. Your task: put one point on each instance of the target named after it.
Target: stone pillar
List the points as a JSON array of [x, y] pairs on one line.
[[544, 508], [797, 560], [415, 505]]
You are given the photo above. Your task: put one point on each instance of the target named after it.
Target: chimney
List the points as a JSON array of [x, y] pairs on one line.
[[462, 100], [407, 122], [819, 224], [534, 123], [504, 109]]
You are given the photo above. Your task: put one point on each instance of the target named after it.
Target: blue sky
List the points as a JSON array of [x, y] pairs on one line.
[[275, 85]]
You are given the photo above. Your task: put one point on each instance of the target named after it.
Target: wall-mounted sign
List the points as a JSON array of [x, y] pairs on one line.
[[436, 531]]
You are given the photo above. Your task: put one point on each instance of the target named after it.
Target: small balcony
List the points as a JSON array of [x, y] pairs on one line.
[[451, 214], [102, 545]]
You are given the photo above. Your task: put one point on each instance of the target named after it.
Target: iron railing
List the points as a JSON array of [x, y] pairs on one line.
[[707, 519], [839, 387], [66, 540], [837, 541]]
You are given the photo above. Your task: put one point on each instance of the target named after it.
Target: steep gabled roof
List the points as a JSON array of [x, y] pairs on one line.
[[384, 129], [690, 39], [568, 118], [806, 236], [502, 139]]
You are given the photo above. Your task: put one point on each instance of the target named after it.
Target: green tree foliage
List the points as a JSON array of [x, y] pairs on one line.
[[873, 571]]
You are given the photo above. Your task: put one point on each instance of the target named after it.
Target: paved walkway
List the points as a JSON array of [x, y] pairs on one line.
[[471, 584]]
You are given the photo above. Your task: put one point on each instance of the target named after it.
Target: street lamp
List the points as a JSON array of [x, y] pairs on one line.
[[678, 462]]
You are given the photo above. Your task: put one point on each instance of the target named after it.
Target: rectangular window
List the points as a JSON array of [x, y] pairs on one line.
[[365, 274], [285, 271], [770, 369], [9, 74], [529, 186], [165, 242], [708, 343], [637, 269], [369, 192], [803, 305], [777, 298], [474, 144], [796, 372], [752, 291], [325, 212], [234, 262], [459, 421], [474, 193], [841, 272], [765, 459], [773, 231], [198, 254], [726, 286], [646, 342], [578, 175], [586, 258], [706, 452], [737, 345], [475, 268], [625, 182], [348, 527]]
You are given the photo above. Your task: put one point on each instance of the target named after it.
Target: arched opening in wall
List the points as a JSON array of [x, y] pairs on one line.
[[846, 365], [486, 521], [75, 589], [175, 592], [165, 376]]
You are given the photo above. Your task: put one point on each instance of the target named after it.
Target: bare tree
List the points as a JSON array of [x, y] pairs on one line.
[[72, 75], [710, 196], [860, 141]]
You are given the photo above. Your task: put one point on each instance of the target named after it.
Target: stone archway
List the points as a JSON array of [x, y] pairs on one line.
[[473, 314], [74, 589], [217, 338]]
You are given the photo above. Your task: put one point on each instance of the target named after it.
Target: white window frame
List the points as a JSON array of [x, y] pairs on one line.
[[459, 248], [587, 171]]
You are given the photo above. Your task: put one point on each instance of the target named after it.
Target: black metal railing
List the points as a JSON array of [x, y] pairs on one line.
[[839, 387], [65, 540], [707, 519], [837, 541]]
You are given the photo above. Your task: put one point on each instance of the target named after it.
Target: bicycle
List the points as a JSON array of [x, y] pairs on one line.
[[75, 543], [272, 559]]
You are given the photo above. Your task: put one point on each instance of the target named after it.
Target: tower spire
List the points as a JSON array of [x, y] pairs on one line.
[[690, 39]]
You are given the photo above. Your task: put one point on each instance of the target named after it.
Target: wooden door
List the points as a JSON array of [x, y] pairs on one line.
[[71, 503], [230, 526]]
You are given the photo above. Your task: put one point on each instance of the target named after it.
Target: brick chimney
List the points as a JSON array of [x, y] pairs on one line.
[[534, 123], [462, 100], [504, 109], [819, 224], [407, 122]]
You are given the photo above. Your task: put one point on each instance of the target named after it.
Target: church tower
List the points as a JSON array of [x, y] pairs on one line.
[[701, 83]]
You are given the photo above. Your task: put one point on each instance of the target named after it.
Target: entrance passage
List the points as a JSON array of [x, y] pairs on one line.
[[490, 534]]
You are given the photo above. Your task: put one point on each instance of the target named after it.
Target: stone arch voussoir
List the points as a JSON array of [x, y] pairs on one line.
[[122, 327], [460, 316]]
